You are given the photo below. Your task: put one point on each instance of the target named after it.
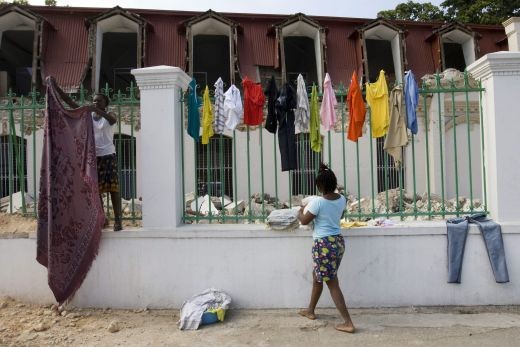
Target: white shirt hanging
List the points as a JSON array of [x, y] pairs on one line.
[[233, 109], [302, 113], [219, 118]]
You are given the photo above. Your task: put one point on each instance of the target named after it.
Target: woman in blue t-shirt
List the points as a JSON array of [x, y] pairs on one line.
[[329, 245]]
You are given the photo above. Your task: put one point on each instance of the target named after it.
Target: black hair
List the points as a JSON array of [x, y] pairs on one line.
[[326, 180], [107, 100]]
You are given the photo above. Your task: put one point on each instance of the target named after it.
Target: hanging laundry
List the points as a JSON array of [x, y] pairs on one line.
[[356, 109], [70, 213], [302, 114], [396, 138], [193, 111], [377, 99], [285, 105], [218, 107], [233, 111], [254, 100], [207, 117], [272, 93], [328, 103], [315, 135], [411, 98]]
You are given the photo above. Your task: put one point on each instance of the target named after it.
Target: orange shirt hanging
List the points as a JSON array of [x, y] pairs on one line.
[[356, 108]]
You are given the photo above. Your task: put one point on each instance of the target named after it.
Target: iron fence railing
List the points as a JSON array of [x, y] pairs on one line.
[[21, 118], [442, 173], [237, 178]]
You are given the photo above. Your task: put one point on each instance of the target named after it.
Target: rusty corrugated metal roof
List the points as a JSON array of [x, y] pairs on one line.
[[420, 53], [342, 52], [256, 40], [65, 51], [165, 46]]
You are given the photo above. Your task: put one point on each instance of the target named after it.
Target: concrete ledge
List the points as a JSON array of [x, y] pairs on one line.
[[393, 266]]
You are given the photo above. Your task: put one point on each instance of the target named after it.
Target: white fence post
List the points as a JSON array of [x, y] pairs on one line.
[[500, 76], [512, 27], [161, 176]]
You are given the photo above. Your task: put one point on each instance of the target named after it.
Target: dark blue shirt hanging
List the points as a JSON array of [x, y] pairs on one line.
[[193, 111]]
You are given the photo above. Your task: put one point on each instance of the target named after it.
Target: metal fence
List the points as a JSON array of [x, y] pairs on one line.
[[21, 136], [442, 173], [237, 177]]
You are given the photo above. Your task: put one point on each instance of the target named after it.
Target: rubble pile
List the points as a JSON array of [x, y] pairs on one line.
[[17, 203], [409, 204], [261, 205]]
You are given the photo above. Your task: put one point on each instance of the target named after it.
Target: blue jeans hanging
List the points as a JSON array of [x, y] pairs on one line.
[[492, 234]]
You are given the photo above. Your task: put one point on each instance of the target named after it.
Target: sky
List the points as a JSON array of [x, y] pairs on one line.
[[335, 8]]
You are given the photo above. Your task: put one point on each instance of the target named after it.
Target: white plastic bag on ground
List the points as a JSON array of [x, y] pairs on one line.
[[192, 309]]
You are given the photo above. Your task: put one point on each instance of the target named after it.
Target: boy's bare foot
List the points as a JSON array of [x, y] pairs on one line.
[[346, 328], [307, 314]]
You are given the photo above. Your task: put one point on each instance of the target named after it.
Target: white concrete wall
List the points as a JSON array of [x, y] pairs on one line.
[[396, 266]]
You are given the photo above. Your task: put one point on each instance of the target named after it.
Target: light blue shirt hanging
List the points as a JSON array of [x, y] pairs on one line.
[[411, 98], [193, 111]]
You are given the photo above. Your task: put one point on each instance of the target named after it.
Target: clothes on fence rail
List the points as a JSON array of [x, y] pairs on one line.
[[411, 98], [285, 105], [272, 93], [356, 109], [492, 234], [315, 134], [207, 117], [218, 108], [377, 99], [328, 104], [233, 110], [193, 111], [254, 100], [301, 113], [396, 138], [70, 214]]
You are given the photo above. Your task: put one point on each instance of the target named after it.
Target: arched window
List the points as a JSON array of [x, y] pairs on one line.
[[20, 33], [302, 49], [214, 166], [383, 48], [211, 48], [117, 40], [12, 148], [126, 154], [457, 46]]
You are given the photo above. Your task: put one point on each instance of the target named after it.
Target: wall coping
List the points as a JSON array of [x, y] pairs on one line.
[[496, 64], [216, 231], [161, 77]]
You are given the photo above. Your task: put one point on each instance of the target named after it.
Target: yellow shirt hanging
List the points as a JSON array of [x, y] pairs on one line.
[[207, 118], [377, 99]]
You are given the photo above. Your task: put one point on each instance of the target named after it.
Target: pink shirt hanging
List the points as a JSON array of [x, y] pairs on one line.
[[327, 112]]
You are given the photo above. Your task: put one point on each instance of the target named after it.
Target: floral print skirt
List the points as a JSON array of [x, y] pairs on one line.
[[327, 253], [108, 178]]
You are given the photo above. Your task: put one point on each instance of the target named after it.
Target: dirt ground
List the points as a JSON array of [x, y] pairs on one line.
[[23, 324], [17, 226]]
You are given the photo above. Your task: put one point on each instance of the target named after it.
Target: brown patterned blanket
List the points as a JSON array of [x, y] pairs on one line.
[[70, 215]]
